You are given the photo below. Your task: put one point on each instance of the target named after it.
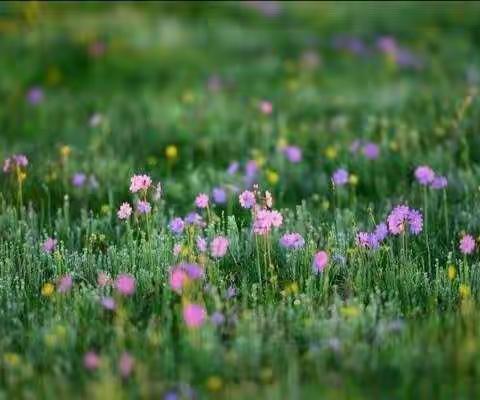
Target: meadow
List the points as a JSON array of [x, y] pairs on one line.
[[239, 200]]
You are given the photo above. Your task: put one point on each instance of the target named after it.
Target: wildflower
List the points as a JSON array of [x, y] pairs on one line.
[[91, 360], [139, 182], [35, 95], [293, 154], [340, 177], [15, 161], [65, 151], [320, 261], [464, 291], [467, 244], [272, 177], [233, 168], [177, 225], [381, 231], [49, 245], [201, 201], [231, 292], [201, 244], [95, 120], [125, 284], [171, 152], [158, 192], [64, 284], [251, 168], [424, 175], [265, 107], [247, 199], [331, 152], [353, 179], [265, 220], [194, 218], [439, 182], [103, 279], [214, 383], [11, 359], [143, 207], [371, 151], [219, 195], [178, 279], [217, 318], [194, 315], [47, 289], [292, 241], [451, 272], [124, 211], [108, 303], [177, 249], [79, 179], [126, 364], [400, 216], [268, 199], [219, 246], [364, 239]]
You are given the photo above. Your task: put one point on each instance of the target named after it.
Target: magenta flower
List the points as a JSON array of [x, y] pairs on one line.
[[79, 179], [320, 261], [424, 175], [340, 177], [140, 182], [247, 199], [219, 195], [108, 303], [265, 220], [178, 279], [219, 246], [467, 244], [439, 182], [64, 284], [126, 365], [371, 151], [124, 211], [201, 201], [49, 245], [292, 241], [194, 315], [201, 244], [91, 361], [125, 284], [143, 207], [177, 225], [293, 154], [266, 107], [14, 161], [401, 216]]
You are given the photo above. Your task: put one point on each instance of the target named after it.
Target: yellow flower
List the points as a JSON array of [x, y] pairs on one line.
[[451, 272], [350, 311], [331, 152], [325, 204], [353, 179], [272, 177], [171, 152], [464, 291], [22, 176], [48, 289], [214, 383], [11, 359], [281, 143], [65, 151], [393, 145]]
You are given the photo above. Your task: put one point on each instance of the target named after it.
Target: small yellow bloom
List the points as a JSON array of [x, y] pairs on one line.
[[281, 143], [11, 359], [325, 204], [451, 272], [22, 176], [65, 151], [171, 152], [353, 179], [331, 152], [272, 177], [393, 145], [214, 383], [464, 291], [48, 289], [350, 311]]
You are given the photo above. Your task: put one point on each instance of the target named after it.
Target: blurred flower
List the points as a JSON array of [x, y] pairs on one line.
[[177, 225], [177, 249], [201, 201], [201, 244], [140, 182], [467, 244], [47, 289], [214, 383], [247, 199], [233, 168], [78, 179], [124, 211], [95, 120], [194, 218], [439, 182], [49, 245], [219, 246], [15, 161], [320, 261], [158, 192], [108, 303], [91, 360], [65, 151], [171, 152], [464, 291], [143, 207], [265, 107], [178, 279], [251, 168], [103, 279], [424, 175], [371, 151], [194, 315], [126, 365], [293, 154], [451, 272], [401, 216], [231, 292], [64, 284], [125, 284], [292, 241], [35, 95], [331, 152], [219, 195], [217, 318], [340, 177], [272, 177]]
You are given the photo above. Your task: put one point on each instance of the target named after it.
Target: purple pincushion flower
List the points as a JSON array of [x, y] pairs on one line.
[[79, 179], [219, 246], [424, 175], [143, 207], [292, 241], [35, 95], [49, 245], [401, 216], [247, 199], [217, 318], [340, 177], [177, 225], [219, 195], [467, 244], [201, 201], [233, 168], [439, 182], [371, 151], [292, 154], [194, 218]]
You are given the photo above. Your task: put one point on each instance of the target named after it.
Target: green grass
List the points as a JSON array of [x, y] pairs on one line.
[[390, 323]]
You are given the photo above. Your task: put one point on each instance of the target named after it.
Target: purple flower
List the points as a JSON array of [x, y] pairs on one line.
[[143, 207], [35, 95], [65, 284], [126, 364], [467, 244], [340, 177], [251, 168], [49, 245], [381, 231], [219, 195], [293, 154], [320, 261], [387, 44], [108, 303], [217, 318], [247, 199], [177, 225], [219, 246], [78, 179], [292, 241], [415, 221], [194, 271], [231, 292], [424, 175], [201, 244], [439, 182], [401, 216], [125, 284], [201, 201], [371, 151], [16, 160], [194, 218], [233, 168]]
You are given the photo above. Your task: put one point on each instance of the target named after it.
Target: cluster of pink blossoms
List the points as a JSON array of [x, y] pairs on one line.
[[426, 176], [467, 244], [139, 183], [401, 217], [265, 220], [15, 161], [182, 274]]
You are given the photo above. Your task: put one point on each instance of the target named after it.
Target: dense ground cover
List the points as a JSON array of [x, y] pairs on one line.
[[239, 200]]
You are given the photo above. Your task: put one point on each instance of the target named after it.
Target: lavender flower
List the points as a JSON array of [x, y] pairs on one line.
[[219, 195], [424, 175], [293, 154], [79, 179], [292, 241], [340, 177], [177, 225]]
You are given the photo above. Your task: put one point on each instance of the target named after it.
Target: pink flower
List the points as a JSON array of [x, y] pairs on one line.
[[125, 284], [219, 246], [276, 218], [126, 364], [194, 315], [247, 199], [91, 360], [64, 284], [178, 279], [103, 279], [266, 107], [140, 182], [201, 201], [201, 244], [424, 175], [124, 211], [467, 244], [108, 303], [49, 245], [143, 207], [177, 248], [320, 261]]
